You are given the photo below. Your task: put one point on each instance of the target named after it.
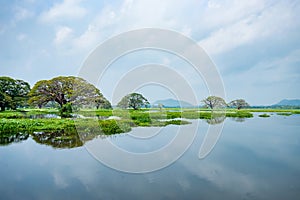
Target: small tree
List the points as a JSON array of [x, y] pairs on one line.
[[239, 103], [133, 100], [214, 102]]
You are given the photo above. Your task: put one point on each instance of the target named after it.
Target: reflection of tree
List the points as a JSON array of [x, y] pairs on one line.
[[238, 119], [58, 139], [7, 138], [89, 135], [216, 118]]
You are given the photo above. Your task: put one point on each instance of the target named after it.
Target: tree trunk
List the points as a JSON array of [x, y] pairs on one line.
[[2, 108]]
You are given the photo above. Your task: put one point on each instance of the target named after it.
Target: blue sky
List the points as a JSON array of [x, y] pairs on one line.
[[254, 44]]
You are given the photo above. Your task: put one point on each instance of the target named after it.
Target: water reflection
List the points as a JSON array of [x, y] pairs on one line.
[[57, 139], [9, 138], [64, 139], [256, 159], [238, 119], [216, 118], [44, 116]]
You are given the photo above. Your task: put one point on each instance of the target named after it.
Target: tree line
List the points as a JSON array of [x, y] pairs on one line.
[[69, 92]]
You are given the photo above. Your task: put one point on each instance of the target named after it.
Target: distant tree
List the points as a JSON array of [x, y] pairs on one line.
[[13, 93], [160, 105], [239, 103], [214, 102], [65, 90], [133, 100]]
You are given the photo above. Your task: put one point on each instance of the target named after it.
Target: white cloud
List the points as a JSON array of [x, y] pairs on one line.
[[281, 69], [22, 14], [60, 180], [63, 34], [274, 79], [230, 37], [21, 36], [223, 13], [260, 24], [19, 14], [132, 15], [228, 23], [213, 4], [68, 9]]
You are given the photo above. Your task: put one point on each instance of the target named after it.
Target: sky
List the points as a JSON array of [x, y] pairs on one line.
[[255, 45]]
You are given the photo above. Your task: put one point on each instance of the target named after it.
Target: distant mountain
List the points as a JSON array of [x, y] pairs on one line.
[[172, 103], [289, 102]]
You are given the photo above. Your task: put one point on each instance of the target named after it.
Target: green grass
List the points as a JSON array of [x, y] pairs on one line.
[[19, 121], [277, 110], [239, 114], [264, 115], [285, 114], [30, 125], [167, 113], [22, 114], [295, 111]]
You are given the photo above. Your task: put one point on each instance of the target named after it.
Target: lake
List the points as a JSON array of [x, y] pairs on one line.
[[257, 158]]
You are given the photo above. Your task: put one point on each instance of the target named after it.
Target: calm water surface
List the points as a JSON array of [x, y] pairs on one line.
[[254, 159]]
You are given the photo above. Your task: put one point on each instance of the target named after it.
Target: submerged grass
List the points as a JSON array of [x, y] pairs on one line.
[[285, 114], [264, 115]]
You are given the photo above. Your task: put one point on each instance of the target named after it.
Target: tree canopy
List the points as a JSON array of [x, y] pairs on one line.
[[239, 103], [13, 93], [66, 90], [133, 100], [214, 102]]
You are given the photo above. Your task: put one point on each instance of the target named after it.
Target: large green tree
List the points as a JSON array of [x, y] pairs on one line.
[[239, 103], [214, 102], [65, 90], [13, 93], [133, 100]]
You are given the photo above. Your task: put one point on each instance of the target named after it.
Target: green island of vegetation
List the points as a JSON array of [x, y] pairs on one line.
[[68, 111]]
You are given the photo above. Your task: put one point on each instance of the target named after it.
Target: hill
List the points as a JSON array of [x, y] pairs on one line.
[[288, 102], [172, 103]]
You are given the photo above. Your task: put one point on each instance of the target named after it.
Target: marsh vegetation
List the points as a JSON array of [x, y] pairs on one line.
[[47, 127]]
